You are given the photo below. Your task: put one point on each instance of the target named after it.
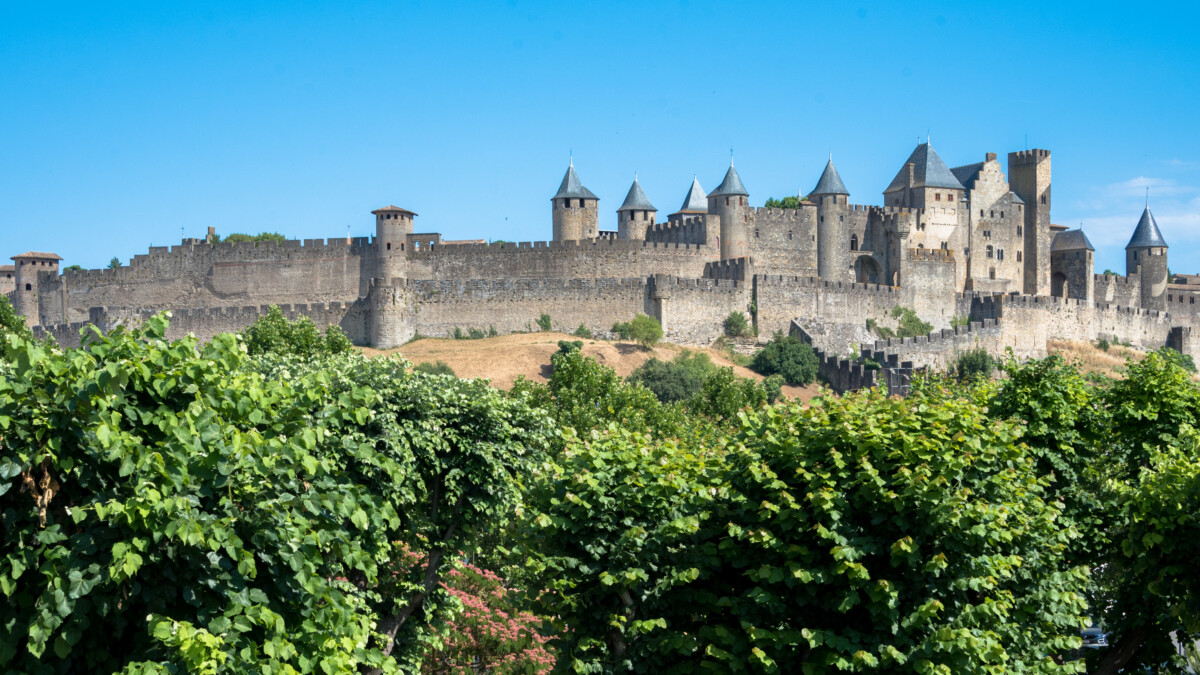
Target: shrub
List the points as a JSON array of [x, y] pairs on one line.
[[256, 238], [434, 368], [960, 321], [881, 332], [736, 325], [543, 322], [1103, 345], [723, 395], [973, 364], [773, 387], [568, 346], [642, 329], [1180, 359], [675, 380], [583, 332], [787, 356], [910, 324], [474, 333], [275, 334]]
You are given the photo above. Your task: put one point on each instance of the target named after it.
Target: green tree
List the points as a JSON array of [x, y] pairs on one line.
[[788, 356], [973, 364], [11, 323], [73, 268], [676, 380], [792, 202], [737, 326], [275, 333], [256, 238], [645, 330], [115, 263], [543, 322], [910, 325], [198, 511]]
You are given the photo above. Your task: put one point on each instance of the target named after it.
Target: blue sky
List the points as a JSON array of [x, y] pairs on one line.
[[123, 122]]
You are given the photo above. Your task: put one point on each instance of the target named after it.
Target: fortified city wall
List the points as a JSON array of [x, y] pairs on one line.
[[597, 258]]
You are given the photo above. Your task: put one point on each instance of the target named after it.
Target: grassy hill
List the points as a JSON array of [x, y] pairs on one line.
[[501, 359]]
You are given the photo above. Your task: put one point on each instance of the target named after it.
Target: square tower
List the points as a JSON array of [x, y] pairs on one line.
[[1029, 177]]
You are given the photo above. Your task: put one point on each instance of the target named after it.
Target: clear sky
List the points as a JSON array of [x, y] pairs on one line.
[[130, 124]]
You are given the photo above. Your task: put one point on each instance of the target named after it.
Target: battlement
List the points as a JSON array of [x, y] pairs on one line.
[[736, 269], [817, 282], [930, 255], [948, 337], [784, 215], [1025, 157], [1113, 279], [663, 281], [527, 247]]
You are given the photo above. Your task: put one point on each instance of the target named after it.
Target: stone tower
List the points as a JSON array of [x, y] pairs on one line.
[[1029, 178], [832, 241], [27, 267], [576, 209], [392, 227], [730, 202], [636, 213], [1146, 256], [1072, 266]]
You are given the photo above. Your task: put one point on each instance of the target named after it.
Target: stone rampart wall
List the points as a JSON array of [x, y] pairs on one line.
[[603, 258], [938, 350], [783, 241], [781, 299], [693, 311]]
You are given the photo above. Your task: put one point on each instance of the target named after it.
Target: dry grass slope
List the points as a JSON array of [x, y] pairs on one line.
[[1091, 359], [501, 359]]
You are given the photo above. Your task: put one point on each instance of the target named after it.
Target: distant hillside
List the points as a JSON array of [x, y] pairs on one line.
[[501, 359]]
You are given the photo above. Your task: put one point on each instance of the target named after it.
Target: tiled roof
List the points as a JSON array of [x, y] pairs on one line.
[[38, 254], [1071, 240], [732, 185], [1146, 234], [390, 209], [928, 171], [830, 183], [636, 199], [571, 188]]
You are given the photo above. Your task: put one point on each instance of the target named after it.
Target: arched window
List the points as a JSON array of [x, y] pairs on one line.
[[389, 246], [854, 242], [29, 287]]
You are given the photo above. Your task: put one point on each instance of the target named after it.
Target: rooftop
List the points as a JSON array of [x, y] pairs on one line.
[[928, 171], [572, 188], [636, 199], [1071, 240], [694, 201], [393, 209], [1146, 233], [830, 183], [38, 255], [732, 185]]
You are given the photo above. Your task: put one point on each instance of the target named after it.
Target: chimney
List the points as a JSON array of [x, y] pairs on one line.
[[911, 174], [991, 157], [212, 233]]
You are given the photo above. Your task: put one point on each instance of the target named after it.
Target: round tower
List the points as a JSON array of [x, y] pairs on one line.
[[575, 209], [1146, 256], [832, 241], [26, 269], [636, 214], [392, 227], [731, 203]]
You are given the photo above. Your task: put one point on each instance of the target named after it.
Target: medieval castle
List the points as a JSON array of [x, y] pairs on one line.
[[959, 245]]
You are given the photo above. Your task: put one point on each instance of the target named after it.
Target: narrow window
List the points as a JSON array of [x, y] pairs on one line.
[[727, 201], [756, 233], [789, 234], [389, 244], [920, 245], [1043, 199], [992, 214], [1018, 256], [992, 273], [937, 196], [29, 287], [1001, 214], [1170, 298], [990, 252], [854, 242], [980, 213], [1020, 230]]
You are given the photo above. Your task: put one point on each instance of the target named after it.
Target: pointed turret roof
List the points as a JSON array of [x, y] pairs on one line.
[[694, 201], [732, 185], [1146, 233], [636, 199], [830, 183], [1071, 240], [571, 188], [928, 171]]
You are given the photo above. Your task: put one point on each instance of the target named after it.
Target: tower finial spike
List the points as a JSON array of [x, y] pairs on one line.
[[1147, 196], [731, 156], [572, 151]]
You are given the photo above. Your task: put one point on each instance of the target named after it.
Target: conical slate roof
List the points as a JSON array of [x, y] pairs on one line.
[[928, 171], [695, 201], [1071, 240], [571, 188], [636, 199], [1146, 234], [732, 185], [830, 183]]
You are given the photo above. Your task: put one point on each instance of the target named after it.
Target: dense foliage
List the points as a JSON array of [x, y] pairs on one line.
[[789, 357], [256, 238], [642, 329], [737, 326], [276, 334], [434, 368], [792, 202], [176, 507], [973, 364], [11, 323]]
